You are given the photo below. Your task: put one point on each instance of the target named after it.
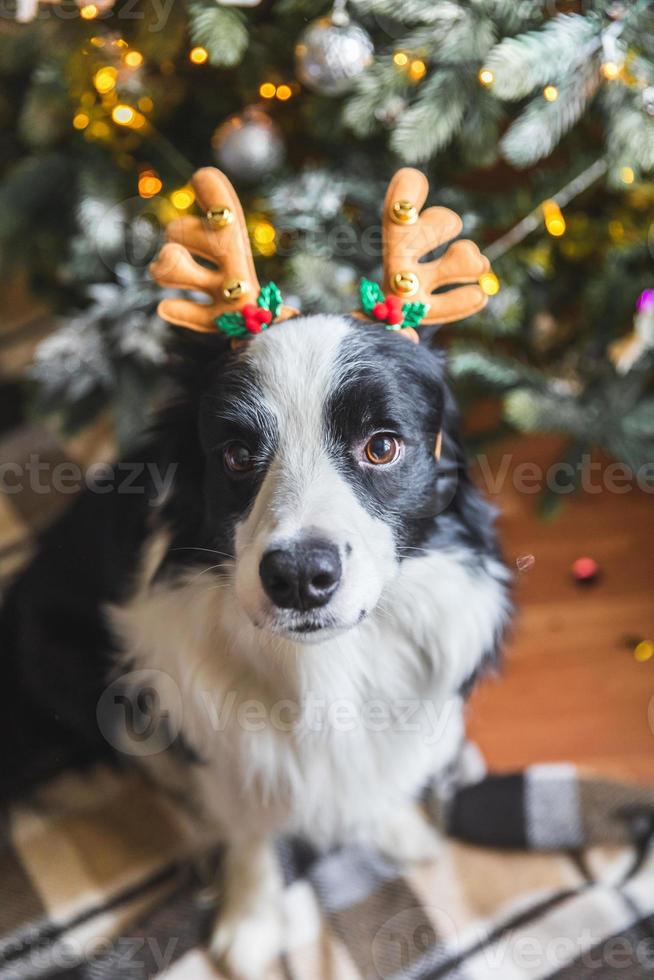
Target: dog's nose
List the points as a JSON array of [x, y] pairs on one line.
[[303, 577]]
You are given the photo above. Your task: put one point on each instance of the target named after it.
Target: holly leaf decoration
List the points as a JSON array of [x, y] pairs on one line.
[[370, 294], [413, 314], [232, 324], [270, 298]]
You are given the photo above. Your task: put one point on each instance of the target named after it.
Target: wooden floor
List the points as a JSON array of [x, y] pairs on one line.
[[571, 688]]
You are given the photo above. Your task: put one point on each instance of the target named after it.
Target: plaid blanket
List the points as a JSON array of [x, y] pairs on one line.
[[94, 886]]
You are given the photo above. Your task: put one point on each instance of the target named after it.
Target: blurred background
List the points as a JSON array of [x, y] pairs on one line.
[[533, 120]]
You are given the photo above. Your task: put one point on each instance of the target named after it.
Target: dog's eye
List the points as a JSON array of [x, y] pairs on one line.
[[238, 457], [382, 449]]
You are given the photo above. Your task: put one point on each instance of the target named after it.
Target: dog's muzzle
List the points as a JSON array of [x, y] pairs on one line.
[[302, 576]]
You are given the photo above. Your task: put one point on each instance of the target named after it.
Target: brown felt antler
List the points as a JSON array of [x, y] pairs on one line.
[[221, 237], [409, 235]]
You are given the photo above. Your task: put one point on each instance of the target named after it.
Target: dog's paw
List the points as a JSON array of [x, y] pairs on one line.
[[409, 839], [244, 948]]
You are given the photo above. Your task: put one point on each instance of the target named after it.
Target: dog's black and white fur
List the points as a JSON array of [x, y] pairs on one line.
[[385, 589]]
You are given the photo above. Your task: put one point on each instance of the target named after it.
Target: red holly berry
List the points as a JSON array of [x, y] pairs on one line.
[[249, 309], [380, 311], [393, 302], [252, 323], [264, 316], [394, 316]]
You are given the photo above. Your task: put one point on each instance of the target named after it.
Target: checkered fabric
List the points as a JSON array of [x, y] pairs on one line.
[[94, 885], [546, 873]]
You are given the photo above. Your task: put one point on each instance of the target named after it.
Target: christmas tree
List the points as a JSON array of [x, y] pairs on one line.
[[533, 120]]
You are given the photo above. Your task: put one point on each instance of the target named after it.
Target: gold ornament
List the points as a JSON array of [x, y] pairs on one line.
[[234, 289], [404, 213], [405, 283], [220, 216]]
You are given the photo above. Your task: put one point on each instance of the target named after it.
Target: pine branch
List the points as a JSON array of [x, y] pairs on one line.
[[639, 423], [433, 119], [511, 16], [221, 30], [321, 283], [411, 11], [542, 125], [529, 410], [521, 63], [500, 373], [638, 27], [373, 89], [630, 129], [305, 9], [635, 452], [469, 36], [480, 130]]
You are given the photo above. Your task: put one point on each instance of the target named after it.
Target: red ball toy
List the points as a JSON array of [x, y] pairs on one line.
[[585, 571]]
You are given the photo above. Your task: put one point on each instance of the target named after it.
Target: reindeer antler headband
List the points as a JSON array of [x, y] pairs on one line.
[[239, 305]]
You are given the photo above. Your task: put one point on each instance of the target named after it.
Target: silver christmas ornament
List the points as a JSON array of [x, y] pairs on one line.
[[332, 52], [248, 146]]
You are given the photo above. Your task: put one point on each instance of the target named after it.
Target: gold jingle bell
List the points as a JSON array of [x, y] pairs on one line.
[[405, 283], [220, 216], [404, 213], [234, 289]]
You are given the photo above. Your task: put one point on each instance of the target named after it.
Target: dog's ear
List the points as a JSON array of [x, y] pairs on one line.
[[429, 334], [191, 345], [191, 354]]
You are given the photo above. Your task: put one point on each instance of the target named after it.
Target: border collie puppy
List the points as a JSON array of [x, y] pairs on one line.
[[310, 601]]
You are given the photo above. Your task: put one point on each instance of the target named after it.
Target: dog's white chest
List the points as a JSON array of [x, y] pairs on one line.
[[322, 740], [327, 771]]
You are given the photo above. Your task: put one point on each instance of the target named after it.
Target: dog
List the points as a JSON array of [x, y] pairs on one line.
[[320, 561]]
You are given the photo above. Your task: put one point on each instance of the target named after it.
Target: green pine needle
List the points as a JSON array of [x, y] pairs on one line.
[[521, 64], [536, 132], [221, 31], [421, 133]]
